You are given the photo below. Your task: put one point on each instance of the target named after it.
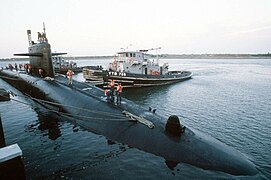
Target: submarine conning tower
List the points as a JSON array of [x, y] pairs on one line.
[[41, 57]]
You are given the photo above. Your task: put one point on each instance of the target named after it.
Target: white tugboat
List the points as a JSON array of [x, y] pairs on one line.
[[61, 65], [136, 69]]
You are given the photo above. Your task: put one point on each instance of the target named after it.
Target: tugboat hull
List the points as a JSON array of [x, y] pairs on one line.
[[135, 80]]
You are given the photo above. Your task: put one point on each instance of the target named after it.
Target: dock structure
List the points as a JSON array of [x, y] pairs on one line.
[[11, 163], [2, 137]]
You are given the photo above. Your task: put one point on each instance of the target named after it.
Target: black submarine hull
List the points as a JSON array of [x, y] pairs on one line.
[[86, 106]]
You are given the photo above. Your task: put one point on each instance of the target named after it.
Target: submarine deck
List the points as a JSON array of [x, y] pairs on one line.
[[127, 107], [193, 147]]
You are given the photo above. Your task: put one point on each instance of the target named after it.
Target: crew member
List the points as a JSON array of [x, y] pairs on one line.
[[29, 68], [10, 67], [20, 66], [105, 77], [39, 36], [16, 67], [119, 91], [69, 75], [112, 87], [26, 68], [40, 72], [107, 93]]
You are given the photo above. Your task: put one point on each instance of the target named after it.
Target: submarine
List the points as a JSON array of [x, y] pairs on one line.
[[128, 123]]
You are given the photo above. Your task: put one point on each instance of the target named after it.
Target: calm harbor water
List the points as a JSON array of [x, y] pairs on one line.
[[229, 99]]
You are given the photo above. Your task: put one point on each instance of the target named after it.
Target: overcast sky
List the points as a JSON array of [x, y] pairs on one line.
[[102, 27]]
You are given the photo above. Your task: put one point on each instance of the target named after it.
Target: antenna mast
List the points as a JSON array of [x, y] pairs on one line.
[[43, 27], [44, 33], [29, 37]]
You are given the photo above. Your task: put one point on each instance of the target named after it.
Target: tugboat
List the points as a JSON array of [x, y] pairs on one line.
[[136, 69], [61, 65]]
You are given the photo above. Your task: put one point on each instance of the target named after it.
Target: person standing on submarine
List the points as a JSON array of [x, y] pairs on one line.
[[119, 91], [112, 87], [69, 75]]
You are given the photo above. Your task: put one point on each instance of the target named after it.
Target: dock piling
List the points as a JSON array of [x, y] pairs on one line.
[[2, 137], [11, 162]]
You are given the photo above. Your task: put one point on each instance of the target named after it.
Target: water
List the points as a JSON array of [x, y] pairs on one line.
[[229, 99]]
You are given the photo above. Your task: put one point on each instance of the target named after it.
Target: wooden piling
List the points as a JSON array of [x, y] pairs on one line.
[[11, 162], [2, 136]]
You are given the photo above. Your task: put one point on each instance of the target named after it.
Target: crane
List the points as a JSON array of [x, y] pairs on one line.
[[146, 50]]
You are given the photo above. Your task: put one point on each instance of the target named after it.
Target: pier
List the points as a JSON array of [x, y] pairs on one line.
[[11, 162]]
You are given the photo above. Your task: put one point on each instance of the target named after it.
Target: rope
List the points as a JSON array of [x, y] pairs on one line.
[[20, 102], [59, 104], [5, 77], [16, 100], [87, 117], [118, 117], [53, 103], [72, 115]]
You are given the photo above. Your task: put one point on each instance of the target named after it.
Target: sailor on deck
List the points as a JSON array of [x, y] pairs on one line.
[[29, 68], [69, 75], [107, 93], [119, 91], [40, 71], [112, 87]]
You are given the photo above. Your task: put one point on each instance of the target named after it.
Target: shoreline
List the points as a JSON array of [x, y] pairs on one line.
[[167, 56]]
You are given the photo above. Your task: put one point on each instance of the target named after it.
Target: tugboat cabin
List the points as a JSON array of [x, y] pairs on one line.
[[137, 62]]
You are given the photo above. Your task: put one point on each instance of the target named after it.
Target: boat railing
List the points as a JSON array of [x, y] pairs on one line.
[[128, 59]]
